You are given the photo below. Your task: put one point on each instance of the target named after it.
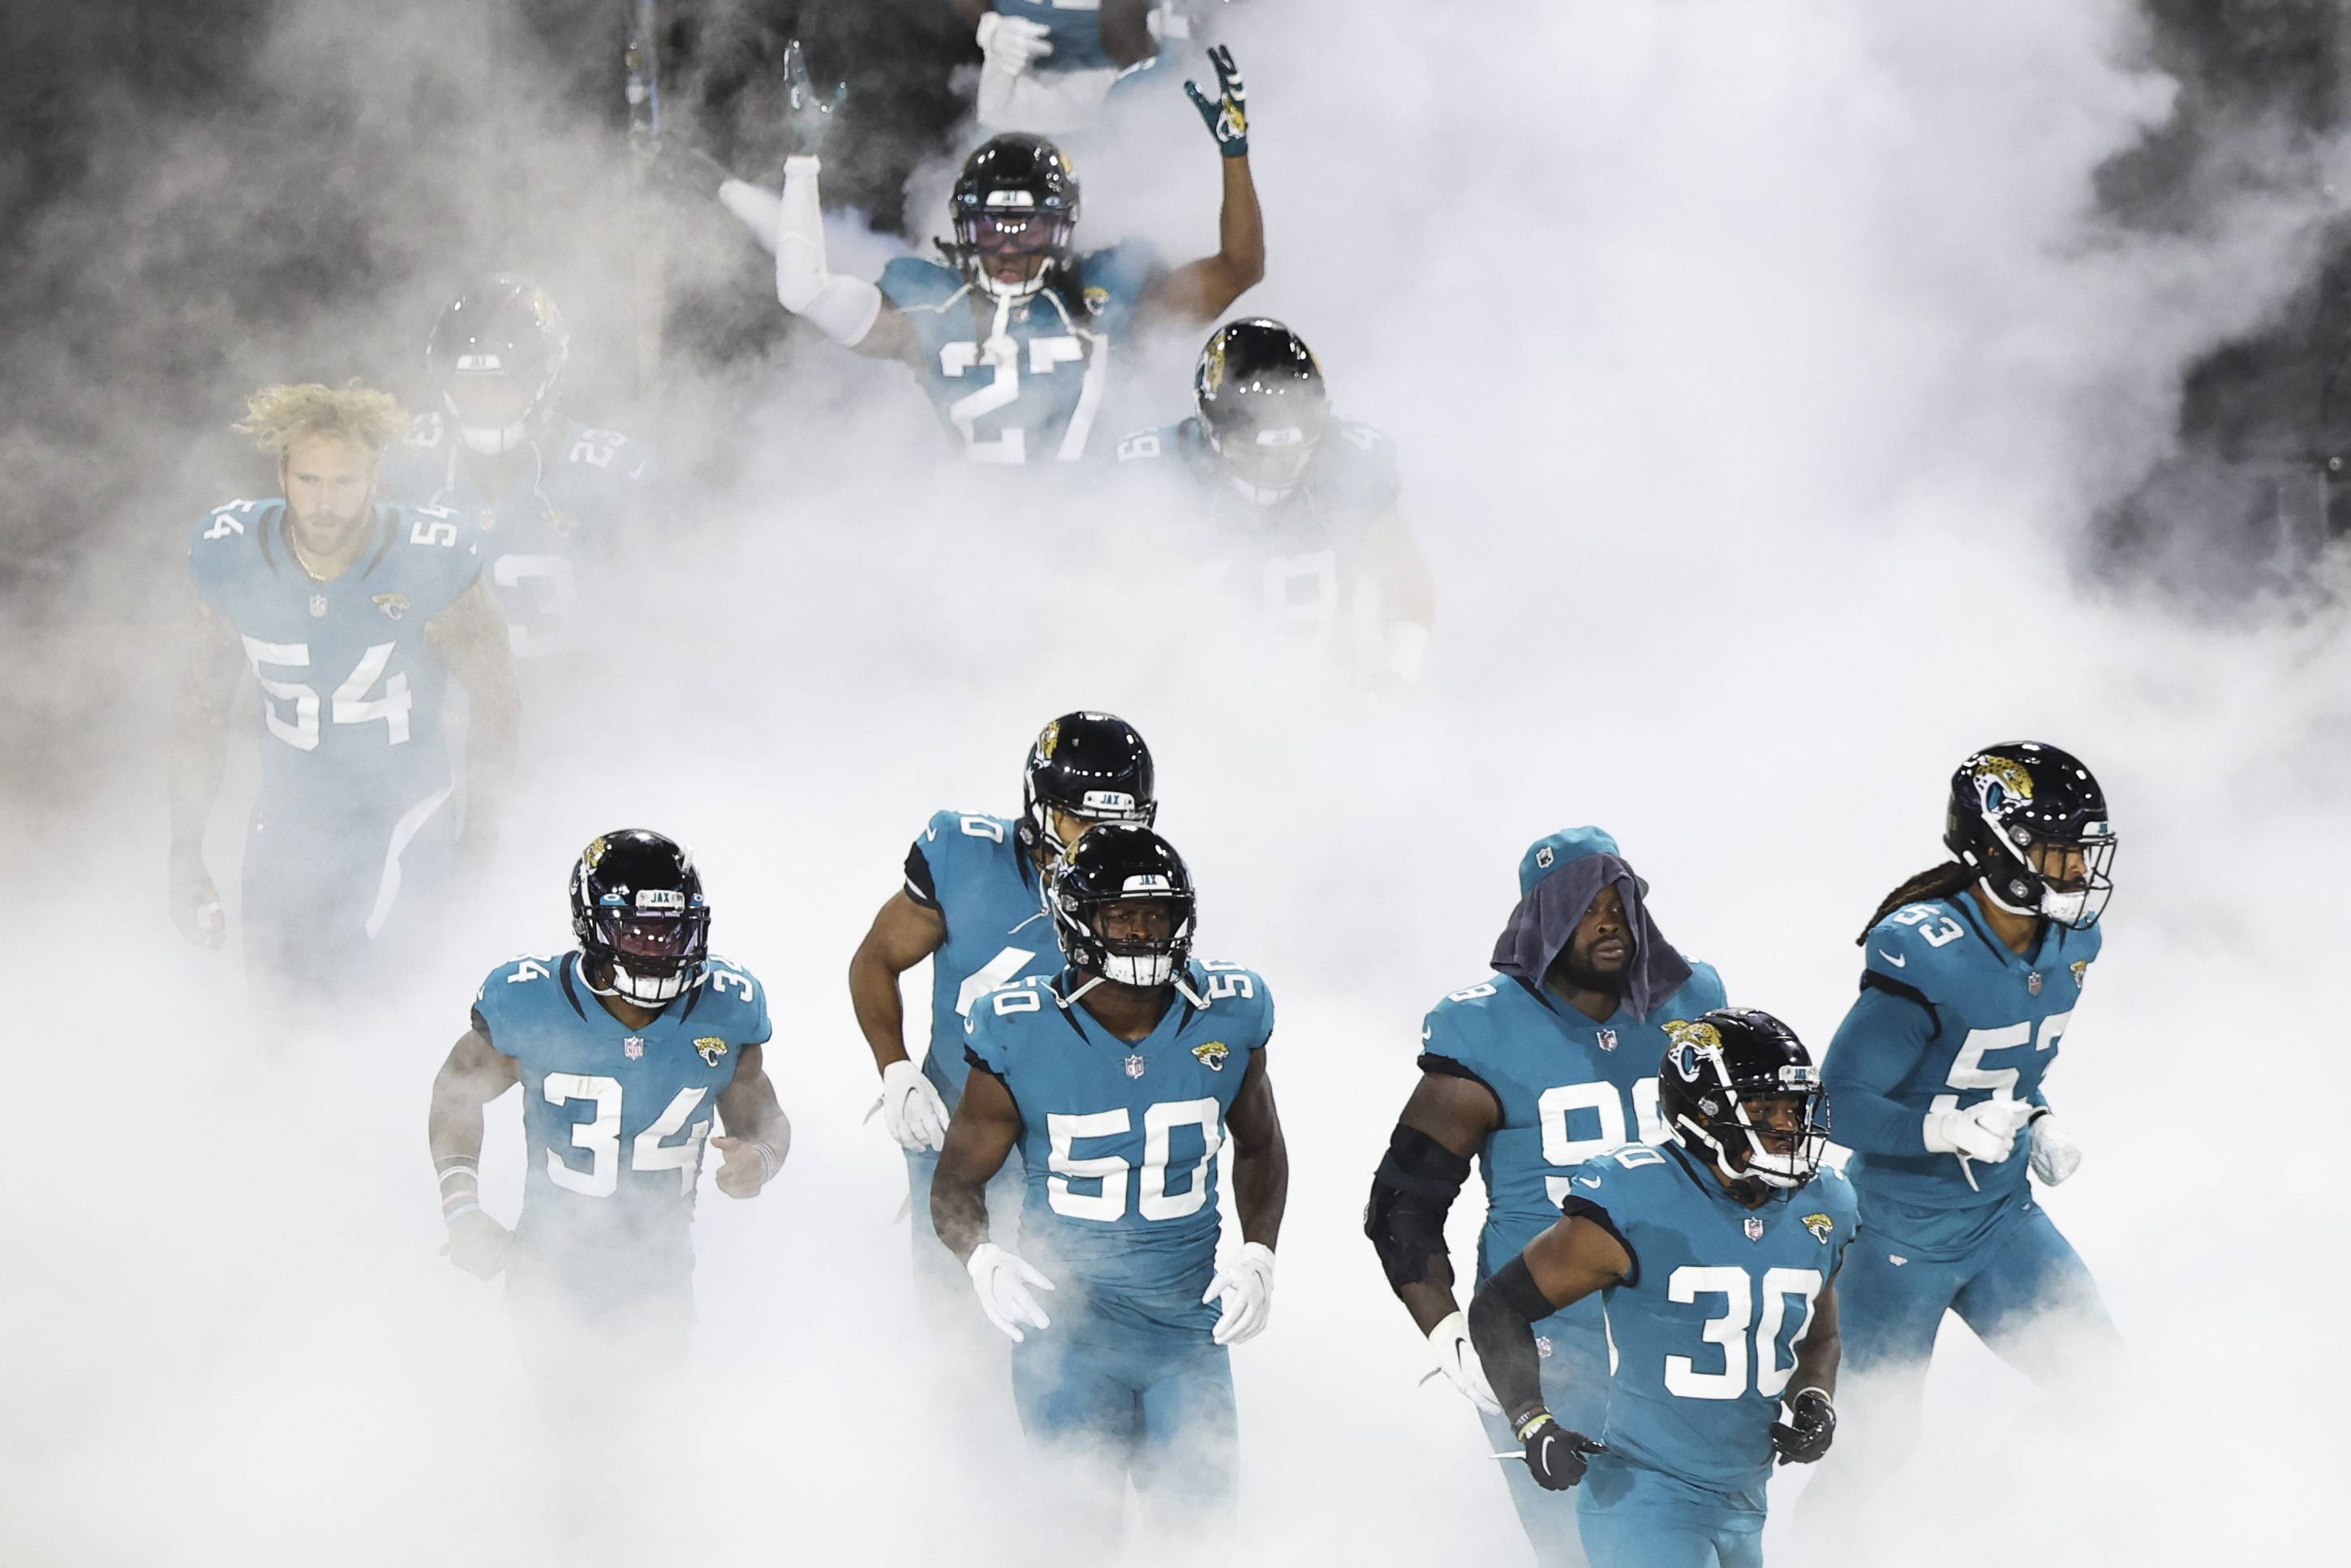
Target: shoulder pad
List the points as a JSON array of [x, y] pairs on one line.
[[1918, 942], [228, 523], [1146, 445], [426, 431], [1704, 991], [531, 968], [1235, 986], [912, 282], [1457, 1026], [1120, 271]]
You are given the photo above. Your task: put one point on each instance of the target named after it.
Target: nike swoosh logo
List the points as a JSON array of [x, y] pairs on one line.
[[1589, 1181], [1897, 963]]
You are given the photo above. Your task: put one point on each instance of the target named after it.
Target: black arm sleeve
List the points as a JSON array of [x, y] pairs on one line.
[[1502, 1316], [920, 886], [1412, 1192]]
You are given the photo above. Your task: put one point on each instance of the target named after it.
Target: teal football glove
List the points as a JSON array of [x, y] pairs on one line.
[[807, 117], [1228, 112]]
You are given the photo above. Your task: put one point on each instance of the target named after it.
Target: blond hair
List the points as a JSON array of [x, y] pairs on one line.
[[277, 417]]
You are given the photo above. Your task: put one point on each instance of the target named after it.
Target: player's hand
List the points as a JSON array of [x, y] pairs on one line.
[[807, 117], [1246, 1289], [196, 903], [745, 1166], [1985, 1132], [1457, 1359], [1012, 44], [1811, 1425], [911, 1107], [1228, 112], [1002, 1279], [2055, 1157], [1556, 1455], [478, 1244]]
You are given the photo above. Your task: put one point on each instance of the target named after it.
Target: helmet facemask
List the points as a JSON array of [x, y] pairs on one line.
[[2073, 895], [1010, 224], [1734, 1123], [1153, 935], [638, 912], [483, 432], [1265, 461]]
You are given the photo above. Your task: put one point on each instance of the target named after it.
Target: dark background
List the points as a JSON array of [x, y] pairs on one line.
[[202, 195]]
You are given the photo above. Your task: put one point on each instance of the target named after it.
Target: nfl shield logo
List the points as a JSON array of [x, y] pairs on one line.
[[633, 1048], [2032, 982], [1542, 1345], [1607, 1040], [1134, 1065], [318, 606], [1754, 1229]]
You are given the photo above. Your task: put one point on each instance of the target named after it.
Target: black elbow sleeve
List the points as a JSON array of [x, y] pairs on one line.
[[1412, 1193]]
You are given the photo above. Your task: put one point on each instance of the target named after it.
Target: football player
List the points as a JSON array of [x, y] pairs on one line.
[[1048, 67], [1293, 511], [1970, 973], [1118, 1079], [1536, 1071], [543, 491], [351, 614], [1015, 333], [972, 903], [1716, 1258], [625, 1047]]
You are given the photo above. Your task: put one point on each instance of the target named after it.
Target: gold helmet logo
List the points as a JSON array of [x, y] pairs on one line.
[[1047, 739], [1697, 1036], [2000, 778], [594, 851], [1212, 372]]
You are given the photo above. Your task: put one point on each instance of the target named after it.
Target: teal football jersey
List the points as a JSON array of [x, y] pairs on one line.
[[352, 695], [1297, 564], [973, 870], [1033, 394], [614, 1119], [1569, 1088], [579, 489], [1707, 1323], [1121, 1139], [1948, 1018]]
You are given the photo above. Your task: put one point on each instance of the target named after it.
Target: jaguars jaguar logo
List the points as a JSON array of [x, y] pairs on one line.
[[394, 605], [1687, 1041], [1048, 740], [710, 1048], [2081, 973], [594, 852], [1212, 1055], [1097, 300], [1212, 370], [1819, 1225], [1999, 779]]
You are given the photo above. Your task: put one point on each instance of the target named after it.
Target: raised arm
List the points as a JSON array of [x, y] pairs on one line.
[[210, 673], [1196, 293], [757, 1135], [849, 310], [470, 638], [475, 1073]]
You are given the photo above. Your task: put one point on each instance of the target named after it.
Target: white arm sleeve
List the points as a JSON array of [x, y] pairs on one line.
[[842, 308]]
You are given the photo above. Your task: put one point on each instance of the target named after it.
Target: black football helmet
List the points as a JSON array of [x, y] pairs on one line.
[[2009, 805], [638, 911], [496, 354], [1016, 196], [1121, 863], [1088, 765], [1719, 1069], [1262, 405]]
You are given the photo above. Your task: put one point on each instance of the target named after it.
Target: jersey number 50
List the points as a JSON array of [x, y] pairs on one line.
[[1152, 1200]]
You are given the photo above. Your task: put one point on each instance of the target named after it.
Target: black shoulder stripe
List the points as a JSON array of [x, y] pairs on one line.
[[694, 997], [563, 970], [1576, 1207], [481, 1024], [1445, 1067], [922, 886], [1871, 980], [971, 1057]]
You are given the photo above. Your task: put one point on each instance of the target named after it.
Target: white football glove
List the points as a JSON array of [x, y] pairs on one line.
[[1012, 44], [1002, 1279], [1246, 1287], [1985, 1133], [1457, 1359], [2055, 1157], [912, 1109]]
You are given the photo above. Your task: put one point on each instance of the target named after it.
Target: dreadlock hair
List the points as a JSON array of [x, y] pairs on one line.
[[1935, 882], [278, 416]]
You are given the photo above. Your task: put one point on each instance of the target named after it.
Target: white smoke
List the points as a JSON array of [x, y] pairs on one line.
[[1756, 372]]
